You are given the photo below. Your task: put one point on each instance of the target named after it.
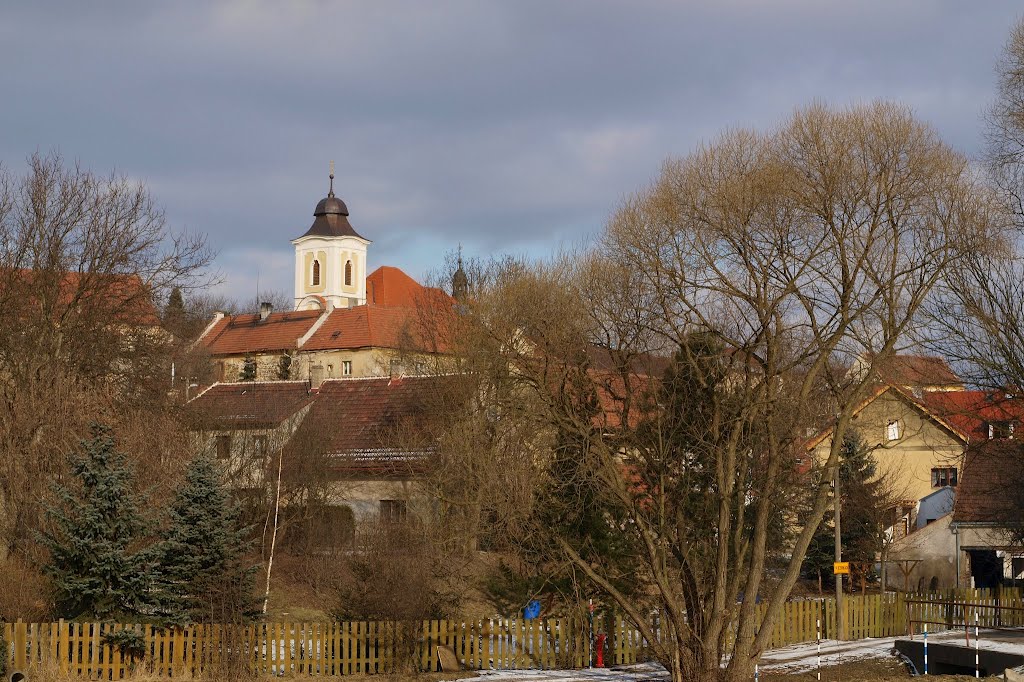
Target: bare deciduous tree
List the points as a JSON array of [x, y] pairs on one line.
[[83, 260], [765, 264]]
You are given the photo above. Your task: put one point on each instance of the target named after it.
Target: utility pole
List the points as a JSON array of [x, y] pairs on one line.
[[840, 620]]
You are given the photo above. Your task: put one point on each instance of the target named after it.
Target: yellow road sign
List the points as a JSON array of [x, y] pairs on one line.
[[841, 568]]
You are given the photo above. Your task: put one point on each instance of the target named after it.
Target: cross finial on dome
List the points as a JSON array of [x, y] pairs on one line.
[[330, 192]]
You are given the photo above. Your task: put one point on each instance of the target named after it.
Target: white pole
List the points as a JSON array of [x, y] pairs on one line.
[[819, 650], [977, 666], [926, 648]]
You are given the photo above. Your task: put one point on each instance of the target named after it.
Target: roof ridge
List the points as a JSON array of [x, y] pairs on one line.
[[389, 377], [202, 392], [258, 381]]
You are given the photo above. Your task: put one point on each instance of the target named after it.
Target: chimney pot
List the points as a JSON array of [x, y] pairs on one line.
[[265, 309]]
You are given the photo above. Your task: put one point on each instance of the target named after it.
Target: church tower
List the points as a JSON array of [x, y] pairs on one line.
[[330, 259]]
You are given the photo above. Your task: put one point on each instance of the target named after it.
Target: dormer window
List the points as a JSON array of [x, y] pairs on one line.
[[892, 430], [1002, 429], [316, 272], [348, 273]]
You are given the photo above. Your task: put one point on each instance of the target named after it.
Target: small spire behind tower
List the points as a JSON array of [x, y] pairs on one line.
[[330, 193], [460, 282]]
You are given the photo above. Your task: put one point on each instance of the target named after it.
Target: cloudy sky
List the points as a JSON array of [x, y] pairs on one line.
[[512, 126]]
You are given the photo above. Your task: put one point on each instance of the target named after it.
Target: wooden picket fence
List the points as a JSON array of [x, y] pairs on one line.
[[889, 615], [81, 649]]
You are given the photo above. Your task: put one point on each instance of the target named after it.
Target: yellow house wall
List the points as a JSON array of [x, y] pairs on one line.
[[366, 362], [908, 461]]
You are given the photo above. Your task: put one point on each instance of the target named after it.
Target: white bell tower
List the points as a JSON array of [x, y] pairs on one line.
[[330, 259]]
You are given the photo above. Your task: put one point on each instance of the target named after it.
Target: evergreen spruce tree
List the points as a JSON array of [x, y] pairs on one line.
[[174, 312], [284, 367], [203, 576], [861, 501], [99, 570], [248, 372]]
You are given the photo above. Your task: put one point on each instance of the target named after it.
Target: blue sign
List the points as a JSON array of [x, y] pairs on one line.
[[532, 610]]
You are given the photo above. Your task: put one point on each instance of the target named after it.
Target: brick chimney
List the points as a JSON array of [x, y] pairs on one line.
[[265, 309]]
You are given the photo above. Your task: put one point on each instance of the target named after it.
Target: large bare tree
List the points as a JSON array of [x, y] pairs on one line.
[[762, 264], [84, 261]]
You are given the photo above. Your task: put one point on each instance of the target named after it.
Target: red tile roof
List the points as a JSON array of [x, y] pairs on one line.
[[366, 415], [972, 411], [363, 326], [991, 471], [249, 404], [390, 286], [236, 334], [616, 394], [387, 321], [123, 298], [375, 425], [917, 370]]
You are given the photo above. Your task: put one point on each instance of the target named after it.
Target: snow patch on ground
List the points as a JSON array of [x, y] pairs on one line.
[[803, 657], [797, 658], [644, 672]]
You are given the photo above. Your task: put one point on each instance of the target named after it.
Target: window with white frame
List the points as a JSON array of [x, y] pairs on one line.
[[346, 368], [943, 476], [892, 430], [1003, 429]]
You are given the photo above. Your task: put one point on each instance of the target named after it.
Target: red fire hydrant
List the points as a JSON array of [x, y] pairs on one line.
[[600, 650]]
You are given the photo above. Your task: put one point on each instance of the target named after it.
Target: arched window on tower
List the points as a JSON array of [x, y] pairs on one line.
[[316, 272], [348, 273]]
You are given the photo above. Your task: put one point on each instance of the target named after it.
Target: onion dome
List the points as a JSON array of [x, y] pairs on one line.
[[330, 217]]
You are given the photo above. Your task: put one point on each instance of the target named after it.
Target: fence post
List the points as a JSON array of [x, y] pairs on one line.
[[19, 643]]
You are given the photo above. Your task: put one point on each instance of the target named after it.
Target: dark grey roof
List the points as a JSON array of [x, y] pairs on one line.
[[331, 219]]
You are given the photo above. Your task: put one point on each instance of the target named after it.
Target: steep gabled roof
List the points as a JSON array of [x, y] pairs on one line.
[[376, 427], [353, 416], [991, 471], [390, 286], [119, 298], [925, 371], [249, 404], [236, 334], [972, 411], [907, 397]]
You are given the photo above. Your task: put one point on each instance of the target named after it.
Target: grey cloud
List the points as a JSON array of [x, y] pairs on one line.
[[508, 126]]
